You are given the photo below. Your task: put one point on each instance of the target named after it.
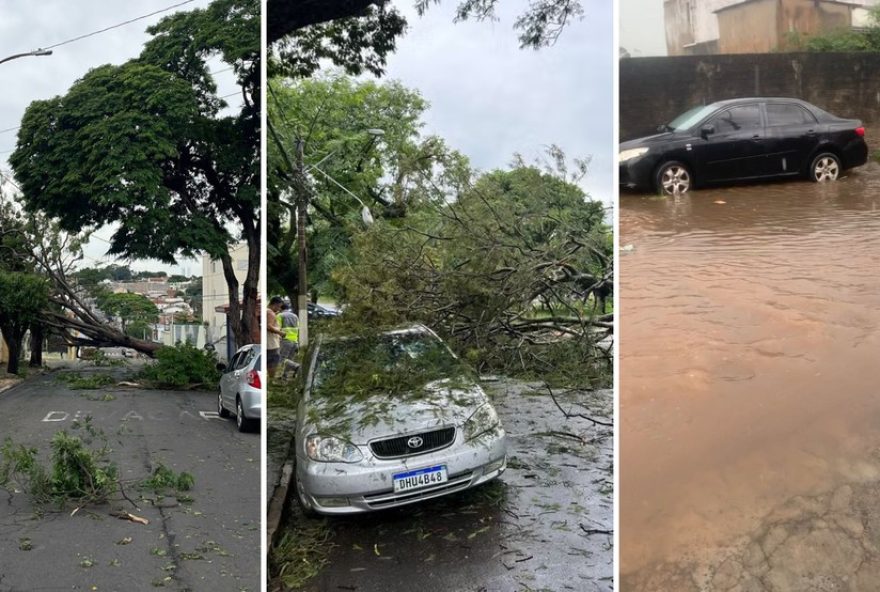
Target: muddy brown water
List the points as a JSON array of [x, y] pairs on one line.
[[750, 370]]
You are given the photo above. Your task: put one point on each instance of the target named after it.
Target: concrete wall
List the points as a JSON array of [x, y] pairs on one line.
[[691, 26], [654, 90], [214, 292]]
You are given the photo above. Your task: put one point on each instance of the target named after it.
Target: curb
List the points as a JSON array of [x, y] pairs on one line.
[[276, 506]]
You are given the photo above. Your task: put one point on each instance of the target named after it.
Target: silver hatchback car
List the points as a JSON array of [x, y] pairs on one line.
[[391, 420], [241, 388]]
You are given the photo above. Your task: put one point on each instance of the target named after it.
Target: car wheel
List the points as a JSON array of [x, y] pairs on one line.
[[825, 167], [673, 178], [244, 424], [221, 410]]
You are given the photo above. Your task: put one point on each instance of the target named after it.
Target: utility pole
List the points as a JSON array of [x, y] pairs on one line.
[[302, 204]]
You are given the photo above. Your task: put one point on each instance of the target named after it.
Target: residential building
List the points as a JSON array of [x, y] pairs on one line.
[[215, 295], [701, 27]]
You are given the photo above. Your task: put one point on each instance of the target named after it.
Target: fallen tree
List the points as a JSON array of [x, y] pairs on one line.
[[508, 272]]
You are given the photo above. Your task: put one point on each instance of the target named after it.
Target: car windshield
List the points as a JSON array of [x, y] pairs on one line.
[[388, 364], [690, 118]]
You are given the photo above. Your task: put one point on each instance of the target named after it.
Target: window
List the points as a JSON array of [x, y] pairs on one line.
[[788, 114], [747, 117]]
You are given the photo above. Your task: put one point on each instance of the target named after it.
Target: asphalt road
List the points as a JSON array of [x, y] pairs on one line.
[[210, 542]]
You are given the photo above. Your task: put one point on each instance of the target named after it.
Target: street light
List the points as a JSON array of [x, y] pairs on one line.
[[302, 202], [36, 52]]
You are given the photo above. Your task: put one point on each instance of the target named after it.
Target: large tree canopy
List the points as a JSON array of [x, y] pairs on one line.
[[389, 173], [358, 35], [148, 145]]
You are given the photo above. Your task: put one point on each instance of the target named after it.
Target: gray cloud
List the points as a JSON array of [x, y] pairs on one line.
[[642, 30], [490, 99]]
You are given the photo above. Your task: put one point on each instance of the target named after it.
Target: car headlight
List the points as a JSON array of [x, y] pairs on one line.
[[484, 420], [625, 155], [332, 449]]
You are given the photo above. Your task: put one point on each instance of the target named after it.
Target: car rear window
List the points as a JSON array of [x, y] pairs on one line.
[[787, 114]]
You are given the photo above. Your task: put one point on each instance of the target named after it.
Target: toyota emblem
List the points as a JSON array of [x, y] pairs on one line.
[[415, 442]]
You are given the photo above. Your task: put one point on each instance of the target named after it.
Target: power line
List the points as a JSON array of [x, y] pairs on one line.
[[122, 24]]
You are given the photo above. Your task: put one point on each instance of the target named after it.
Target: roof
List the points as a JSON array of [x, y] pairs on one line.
[[741, 2]]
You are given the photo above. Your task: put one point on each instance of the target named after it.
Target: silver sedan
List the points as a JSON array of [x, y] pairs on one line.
[[391, 420]]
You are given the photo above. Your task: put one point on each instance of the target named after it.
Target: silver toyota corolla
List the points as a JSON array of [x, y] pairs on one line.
[[391, 420], [241, 389]]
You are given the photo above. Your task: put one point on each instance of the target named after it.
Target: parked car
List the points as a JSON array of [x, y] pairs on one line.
[[241, 388], [318, 312], [391, 420], [743, 139]]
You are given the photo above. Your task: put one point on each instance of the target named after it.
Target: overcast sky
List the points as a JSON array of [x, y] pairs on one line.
[[490, 99], [25, 26], [642, 31]]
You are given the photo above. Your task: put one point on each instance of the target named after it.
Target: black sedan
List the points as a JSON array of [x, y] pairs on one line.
[[743, 139]]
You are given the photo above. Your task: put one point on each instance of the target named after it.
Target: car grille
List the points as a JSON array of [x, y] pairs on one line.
[[397, 447]]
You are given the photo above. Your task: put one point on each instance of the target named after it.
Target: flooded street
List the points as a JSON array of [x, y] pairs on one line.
[[750, 407], [546, 524]]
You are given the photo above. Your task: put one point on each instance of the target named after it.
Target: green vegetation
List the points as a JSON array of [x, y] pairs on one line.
[[164, 478], [130, 309], [80, 470], [149, 146], [23, 297], [183, 366], [301, 553], [867, 39], [77, 381]]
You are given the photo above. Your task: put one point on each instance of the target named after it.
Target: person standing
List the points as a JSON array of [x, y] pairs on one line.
[[273, 335], [289, 326]]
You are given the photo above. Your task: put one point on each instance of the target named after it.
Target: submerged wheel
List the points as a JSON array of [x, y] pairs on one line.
[[825, 167], [221, 410], [673, 178]]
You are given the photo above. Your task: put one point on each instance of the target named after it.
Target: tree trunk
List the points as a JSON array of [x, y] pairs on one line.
[[14, 345], [37, 338]]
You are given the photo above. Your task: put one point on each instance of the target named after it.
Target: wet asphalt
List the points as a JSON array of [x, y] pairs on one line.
[[209, 542], [544, 525]]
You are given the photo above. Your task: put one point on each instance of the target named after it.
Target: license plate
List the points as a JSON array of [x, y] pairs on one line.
[[420, 478]]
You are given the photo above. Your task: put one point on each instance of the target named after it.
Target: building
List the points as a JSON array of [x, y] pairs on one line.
[[215, 295], [702, 27]]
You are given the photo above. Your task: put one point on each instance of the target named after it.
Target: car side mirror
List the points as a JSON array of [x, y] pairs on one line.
[[221, 366], [707, 130]]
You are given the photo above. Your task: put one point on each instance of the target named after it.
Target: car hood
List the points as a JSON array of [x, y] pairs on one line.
[[439, 403], [652, 140]]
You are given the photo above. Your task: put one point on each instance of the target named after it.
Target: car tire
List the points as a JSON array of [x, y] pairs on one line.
[[825, 167], [221, 410], [243, 423], [673, 178]]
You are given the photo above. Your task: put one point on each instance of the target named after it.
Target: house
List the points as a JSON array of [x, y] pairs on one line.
[[702, 27], [215, 295]]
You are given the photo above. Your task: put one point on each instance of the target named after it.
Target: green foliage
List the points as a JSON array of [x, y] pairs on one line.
[[183, 366], [475, 269], [146, 144], [128, 307], [392, 174], [80, 470], [77, 381], [164, 478], [846, 40], [23, 298]]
